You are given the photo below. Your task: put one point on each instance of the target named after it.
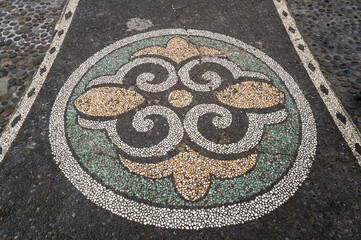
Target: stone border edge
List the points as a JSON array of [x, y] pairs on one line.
[[18, 117], [341, 118]]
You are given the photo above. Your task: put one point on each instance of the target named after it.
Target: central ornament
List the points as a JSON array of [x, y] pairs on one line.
[[183, 129], [190, 170], [180, 98]]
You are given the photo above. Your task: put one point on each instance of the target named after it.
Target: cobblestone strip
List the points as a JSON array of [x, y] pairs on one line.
[[18, 117], [332, 30], [333, 104], [26, 32]]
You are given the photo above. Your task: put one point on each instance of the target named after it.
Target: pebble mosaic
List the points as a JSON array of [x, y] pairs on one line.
[[183, 129]]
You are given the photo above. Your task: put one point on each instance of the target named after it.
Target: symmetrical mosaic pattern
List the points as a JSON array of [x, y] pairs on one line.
[[183, 129]]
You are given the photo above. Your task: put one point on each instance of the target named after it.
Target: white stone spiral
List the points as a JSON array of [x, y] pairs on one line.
[[144, 80], [250, 139], [141, 124]]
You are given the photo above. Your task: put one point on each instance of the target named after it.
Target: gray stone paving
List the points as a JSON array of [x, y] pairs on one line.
[[332, 30], [26, 29]]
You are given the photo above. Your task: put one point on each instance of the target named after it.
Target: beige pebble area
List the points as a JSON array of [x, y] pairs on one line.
[[180, 98], [107, 101], [178, 50], [251, 94], [192, 171]]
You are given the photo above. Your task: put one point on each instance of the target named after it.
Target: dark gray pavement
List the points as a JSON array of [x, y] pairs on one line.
[[94, 187]]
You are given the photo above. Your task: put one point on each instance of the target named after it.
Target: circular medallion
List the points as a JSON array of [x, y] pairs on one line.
[[183, 129]]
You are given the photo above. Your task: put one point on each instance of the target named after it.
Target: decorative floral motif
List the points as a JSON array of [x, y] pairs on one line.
[[199, 140], [190, 170]]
